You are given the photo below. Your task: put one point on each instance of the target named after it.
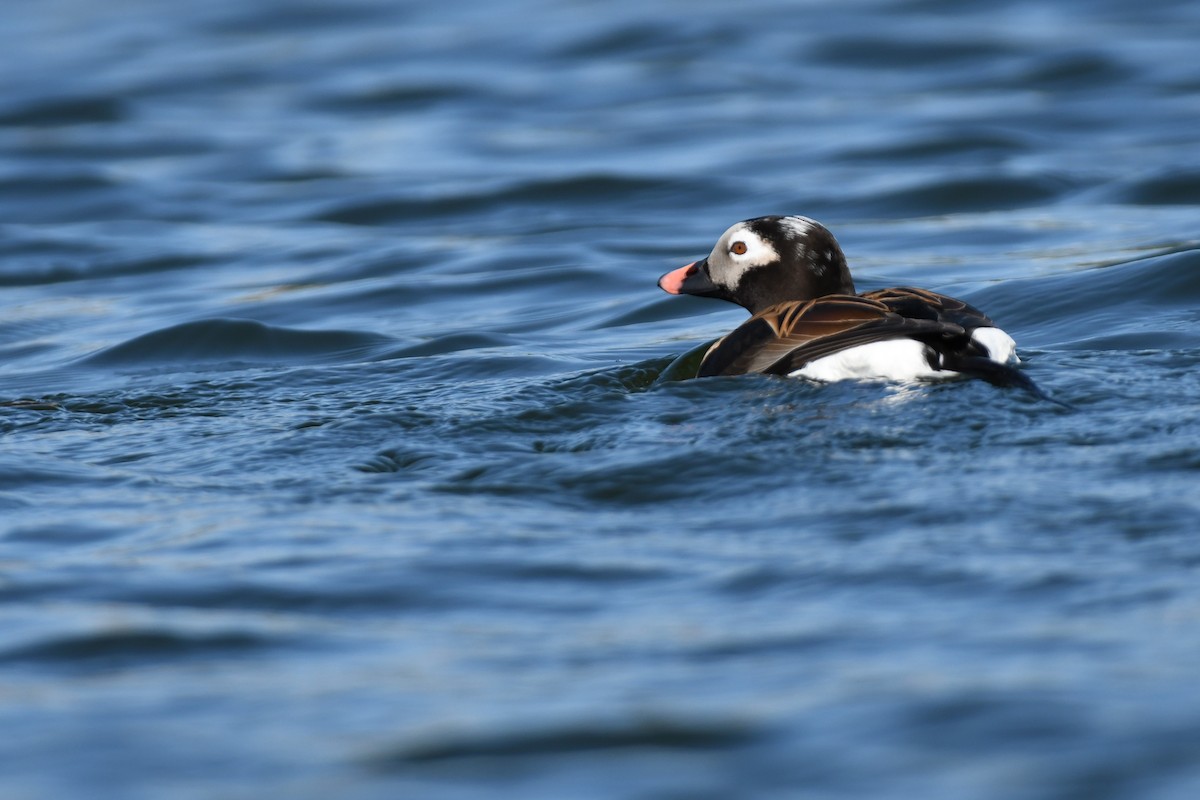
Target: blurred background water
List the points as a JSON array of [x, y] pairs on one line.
[[334, 458]]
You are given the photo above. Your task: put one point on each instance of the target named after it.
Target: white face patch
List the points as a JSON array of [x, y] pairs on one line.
[[726, 265]]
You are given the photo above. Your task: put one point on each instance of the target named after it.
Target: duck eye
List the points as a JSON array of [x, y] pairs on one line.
[[738, 248]]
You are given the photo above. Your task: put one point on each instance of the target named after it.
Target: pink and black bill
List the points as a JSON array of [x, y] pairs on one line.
[[691, 278]]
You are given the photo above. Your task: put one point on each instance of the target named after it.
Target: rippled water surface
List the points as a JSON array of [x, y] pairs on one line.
[[339, 456]]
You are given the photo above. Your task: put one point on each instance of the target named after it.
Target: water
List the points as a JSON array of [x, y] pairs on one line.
[[337, 458]]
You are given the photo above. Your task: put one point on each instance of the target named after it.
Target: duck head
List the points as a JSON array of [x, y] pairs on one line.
[[764, 261]]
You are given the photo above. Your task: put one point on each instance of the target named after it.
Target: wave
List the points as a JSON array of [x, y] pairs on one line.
[[1176, 187], [1147, 304], [236, 341], [589, 188], [133, 645], [80, 110], [45, 269], [577, 736], [994, 190]]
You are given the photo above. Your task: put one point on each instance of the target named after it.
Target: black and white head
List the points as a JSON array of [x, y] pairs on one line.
[[764, 261]]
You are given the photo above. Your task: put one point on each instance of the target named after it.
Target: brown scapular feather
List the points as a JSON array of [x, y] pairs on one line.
[[785, 337]]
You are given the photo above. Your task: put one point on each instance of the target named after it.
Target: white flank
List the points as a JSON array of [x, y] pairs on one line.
[[891, 360], [899, 360]]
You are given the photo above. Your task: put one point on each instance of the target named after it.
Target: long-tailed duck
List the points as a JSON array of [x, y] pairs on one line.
[[790, 274]]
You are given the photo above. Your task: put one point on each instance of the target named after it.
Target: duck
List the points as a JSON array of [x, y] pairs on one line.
[[807, 320]]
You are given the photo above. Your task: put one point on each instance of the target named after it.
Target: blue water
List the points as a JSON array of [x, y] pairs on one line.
[[337, 457]]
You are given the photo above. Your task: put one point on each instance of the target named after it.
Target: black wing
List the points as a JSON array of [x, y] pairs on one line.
[[923, 304], [784, 338]]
